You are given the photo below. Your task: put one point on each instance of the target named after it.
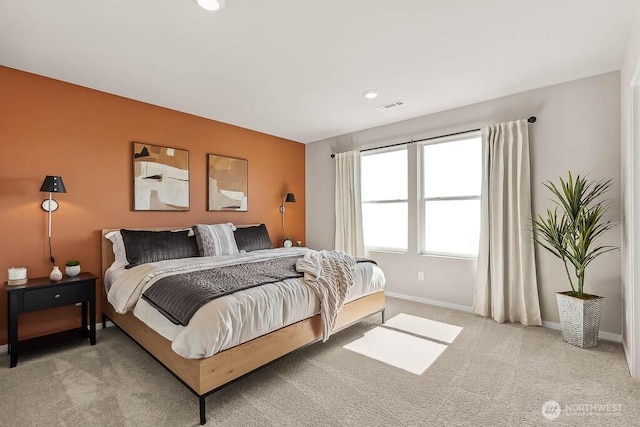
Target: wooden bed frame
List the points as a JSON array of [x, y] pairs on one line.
[[205, 376]]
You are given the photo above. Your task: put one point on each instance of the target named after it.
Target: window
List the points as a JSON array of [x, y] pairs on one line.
[[384, 200], [451, 180]]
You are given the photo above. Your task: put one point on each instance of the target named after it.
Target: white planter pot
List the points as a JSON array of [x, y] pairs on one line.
[[72, 271], [579, 319]]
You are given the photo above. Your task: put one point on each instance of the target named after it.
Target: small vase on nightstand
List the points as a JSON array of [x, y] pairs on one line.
[[56, 274]]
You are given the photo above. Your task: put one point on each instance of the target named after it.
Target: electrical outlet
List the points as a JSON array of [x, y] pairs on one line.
[[421, 276]]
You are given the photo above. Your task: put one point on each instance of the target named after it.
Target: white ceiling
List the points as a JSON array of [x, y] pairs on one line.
[[297, 68]]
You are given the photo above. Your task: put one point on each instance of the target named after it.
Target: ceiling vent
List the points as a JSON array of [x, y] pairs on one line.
[[390, 106]]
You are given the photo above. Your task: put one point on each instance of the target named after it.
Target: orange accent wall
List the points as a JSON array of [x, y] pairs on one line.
[[48, 127]]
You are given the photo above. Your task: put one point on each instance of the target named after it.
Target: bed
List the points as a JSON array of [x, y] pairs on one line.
[[226, 357]]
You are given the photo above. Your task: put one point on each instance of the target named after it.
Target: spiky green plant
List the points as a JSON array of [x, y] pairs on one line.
[[571, 229]]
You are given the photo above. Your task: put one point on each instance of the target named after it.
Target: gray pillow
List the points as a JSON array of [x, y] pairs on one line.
[[253, 238], [215, 239], [144, 246]]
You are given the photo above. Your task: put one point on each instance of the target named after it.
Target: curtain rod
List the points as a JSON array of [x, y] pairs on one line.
[[531, 119]]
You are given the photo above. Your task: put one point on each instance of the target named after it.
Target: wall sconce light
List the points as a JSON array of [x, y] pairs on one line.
[[51, 184], [289, 198]]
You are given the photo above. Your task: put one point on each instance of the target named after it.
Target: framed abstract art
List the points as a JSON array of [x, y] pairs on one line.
[[228, 183], [160, 178]]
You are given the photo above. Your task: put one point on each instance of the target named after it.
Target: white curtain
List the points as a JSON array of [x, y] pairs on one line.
[[507, 286], [349, 235]]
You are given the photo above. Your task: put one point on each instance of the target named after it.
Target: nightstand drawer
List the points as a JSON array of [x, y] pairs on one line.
[[54, 296]]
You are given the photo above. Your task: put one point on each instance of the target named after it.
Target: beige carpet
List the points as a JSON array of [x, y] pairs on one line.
[[491, 375]]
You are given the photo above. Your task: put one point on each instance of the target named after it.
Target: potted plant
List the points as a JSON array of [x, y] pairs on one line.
[[570, 231], [72, 268]]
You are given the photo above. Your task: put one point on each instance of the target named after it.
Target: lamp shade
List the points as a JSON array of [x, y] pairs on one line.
[[291, 198], [53, 184]]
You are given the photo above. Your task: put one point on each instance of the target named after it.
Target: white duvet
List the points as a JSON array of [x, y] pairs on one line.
[[232, 319]]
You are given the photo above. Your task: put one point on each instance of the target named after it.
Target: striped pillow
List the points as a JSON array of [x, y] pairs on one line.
[[215, 239]]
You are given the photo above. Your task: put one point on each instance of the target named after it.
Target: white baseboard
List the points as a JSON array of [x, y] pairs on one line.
[[4, 348], [602, 335], [430, 301], [551, 325]]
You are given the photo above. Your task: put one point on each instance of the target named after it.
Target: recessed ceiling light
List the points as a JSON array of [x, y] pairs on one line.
[[370, 94], [211, 4]]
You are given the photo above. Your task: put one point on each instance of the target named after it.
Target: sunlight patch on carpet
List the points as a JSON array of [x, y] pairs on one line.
[[404, 351], [424, 327]]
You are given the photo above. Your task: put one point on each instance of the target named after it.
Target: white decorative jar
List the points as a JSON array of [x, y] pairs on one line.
[[56, 274], [17, 276], [72, 270]]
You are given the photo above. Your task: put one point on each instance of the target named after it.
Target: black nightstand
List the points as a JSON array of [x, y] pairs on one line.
[[42, 293]]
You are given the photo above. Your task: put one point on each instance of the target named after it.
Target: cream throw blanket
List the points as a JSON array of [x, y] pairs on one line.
[[330, 275]]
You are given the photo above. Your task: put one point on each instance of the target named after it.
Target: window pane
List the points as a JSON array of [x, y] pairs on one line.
[[384, 176], [452, 226], [452, 168], [385, 225]]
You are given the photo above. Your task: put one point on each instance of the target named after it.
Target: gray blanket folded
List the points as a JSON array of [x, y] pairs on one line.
[[178, 297]]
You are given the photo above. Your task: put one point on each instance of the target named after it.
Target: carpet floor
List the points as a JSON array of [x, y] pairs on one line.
[[490, 375]]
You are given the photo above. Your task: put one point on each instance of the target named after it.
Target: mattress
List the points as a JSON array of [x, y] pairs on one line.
[[232, 319]]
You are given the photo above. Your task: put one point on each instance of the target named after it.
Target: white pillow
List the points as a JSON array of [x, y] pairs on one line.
[[119, 251], [216, 239]]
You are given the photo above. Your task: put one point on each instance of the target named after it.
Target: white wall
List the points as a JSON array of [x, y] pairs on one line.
[[578, 129], [631, 197]]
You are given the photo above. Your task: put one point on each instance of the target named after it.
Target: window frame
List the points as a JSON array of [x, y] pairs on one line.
[[387, 201], [422, 199]]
